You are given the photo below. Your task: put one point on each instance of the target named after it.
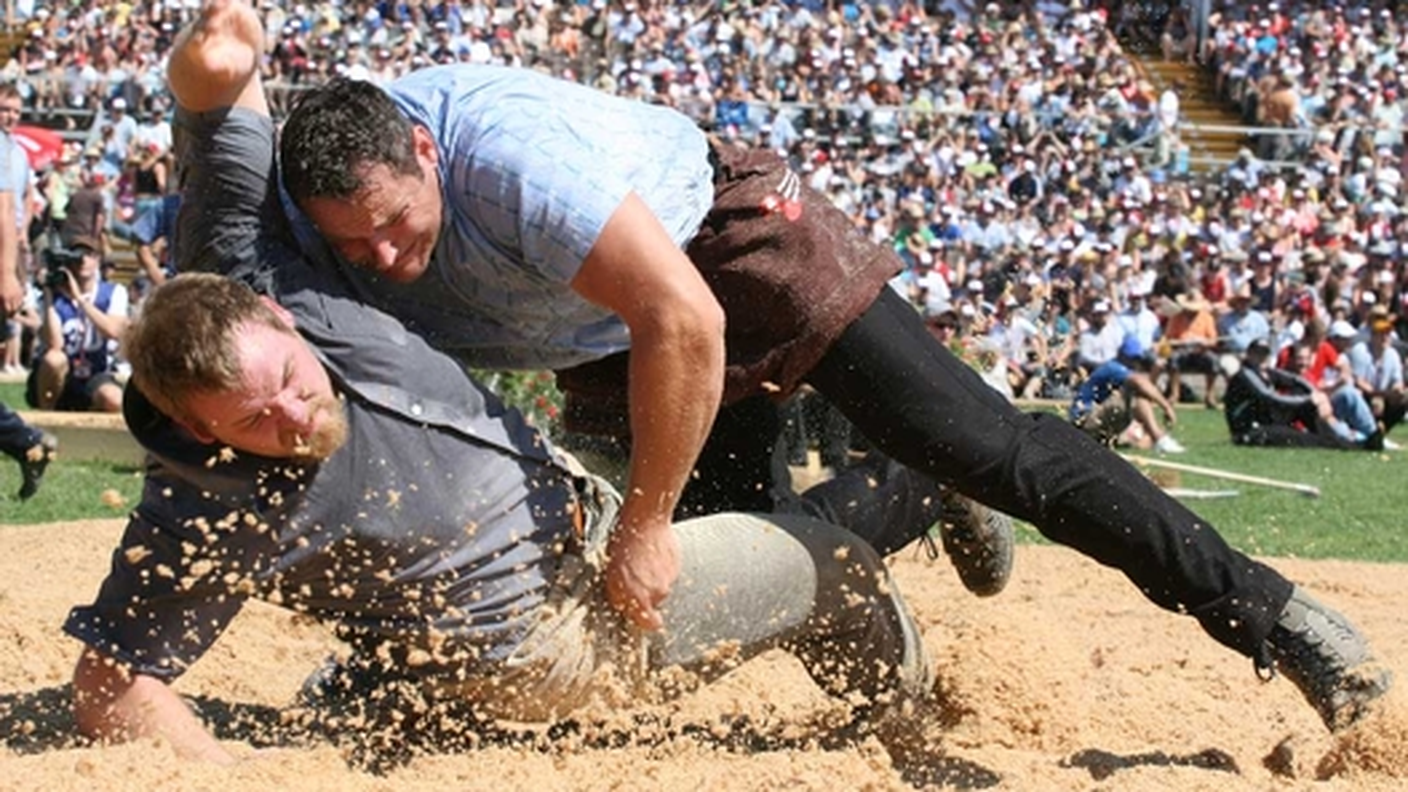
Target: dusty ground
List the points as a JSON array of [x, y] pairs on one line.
[[1068, 681]]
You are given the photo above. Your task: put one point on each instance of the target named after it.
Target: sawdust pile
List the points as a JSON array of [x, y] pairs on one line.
[[1067, 681]]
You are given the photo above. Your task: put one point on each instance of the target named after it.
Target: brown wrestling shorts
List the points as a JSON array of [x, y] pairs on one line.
[[790, 270]]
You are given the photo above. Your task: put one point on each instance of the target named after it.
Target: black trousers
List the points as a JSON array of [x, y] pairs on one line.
[[923, 407], [1291, 437]]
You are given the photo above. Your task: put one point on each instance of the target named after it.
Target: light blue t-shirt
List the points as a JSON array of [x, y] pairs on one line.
[[1385, 373], [532, 167], [1240, 330]]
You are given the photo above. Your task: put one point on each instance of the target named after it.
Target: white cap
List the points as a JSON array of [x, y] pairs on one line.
[[1100, 306], [1342, 329], [119, 103]]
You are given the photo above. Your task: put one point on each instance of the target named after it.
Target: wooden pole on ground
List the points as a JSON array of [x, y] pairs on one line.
[[1304, 489]]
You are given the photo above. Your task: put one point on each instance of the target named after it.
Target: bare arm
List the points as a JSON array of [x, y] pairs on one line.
[[11, 290], [1144, 385], [110, 325], [50, 328], [146, 256], [112, 704], [676, 382]]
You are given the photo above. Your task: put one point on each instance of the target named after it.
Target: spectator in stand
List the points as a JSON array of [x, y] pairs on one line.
[[87, 212], [1099, 340], [1264, 286], [1242, 324], [1337, 379], [148, 171], [119, 145], [84, 317], [1120, 393], [1215, 283], [58, 186], [928, 285], [1297, 290], [154, 232], [1378, 372], [1138, 320], [947, 326], [1022, 344], [1179, 38], [153, 129], [1280, 108], [1191, 340]]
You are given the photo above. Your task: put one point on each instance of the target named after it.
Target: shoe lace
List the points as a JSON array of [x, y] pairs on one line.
[[929, 545]]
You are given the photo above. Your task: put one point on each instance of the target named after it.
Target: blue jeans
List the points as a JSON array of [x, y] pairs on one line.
[[1353, 409]]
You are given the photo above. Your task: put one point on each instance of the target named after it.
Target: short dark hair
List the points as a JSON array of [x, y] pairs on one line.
[[335, 132]]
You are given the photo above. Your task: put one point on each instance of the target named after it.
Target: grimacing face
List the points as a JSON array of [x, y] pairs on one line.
[[391, 225], [285, 408]]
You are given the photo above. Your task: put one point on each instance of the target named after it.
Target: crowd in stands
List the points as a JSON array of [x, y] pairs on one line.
[[1027, 173], [1332, 72]]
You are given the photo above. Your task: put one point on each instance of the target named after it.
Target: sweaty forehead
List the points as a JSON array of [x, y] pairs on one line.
[[373, 206]]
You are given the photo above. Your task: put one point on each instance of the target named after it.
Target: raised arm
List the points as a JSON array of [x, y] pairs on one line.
[[215, 62]]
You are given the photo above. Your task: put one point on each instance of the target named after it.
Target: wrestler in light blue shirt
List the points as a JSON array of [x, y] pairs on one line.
[[527, 191]]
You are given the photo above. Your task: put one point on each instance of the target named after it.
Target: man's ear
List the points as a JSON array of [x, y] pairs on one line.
[[196, 430], [423, 144], [281, 312]]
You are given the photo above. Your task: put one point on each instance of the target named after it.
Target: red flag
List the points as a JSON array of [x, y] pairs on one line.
[[42, 146]]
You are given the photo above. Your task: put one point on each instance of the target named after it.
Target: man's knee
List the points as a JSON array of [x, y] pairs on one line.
[[54, 362], [107, 398]]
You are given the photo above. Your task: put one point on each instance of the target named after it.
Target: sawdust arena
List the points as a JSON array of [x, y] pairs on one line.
[[1069, 680]]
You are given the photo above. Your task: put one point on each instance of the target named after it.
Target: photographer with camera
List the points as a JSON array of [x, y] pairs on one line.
[[84, 316]]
